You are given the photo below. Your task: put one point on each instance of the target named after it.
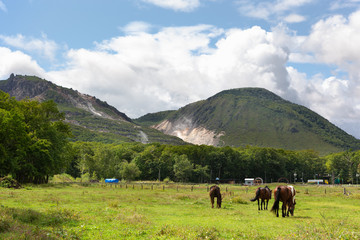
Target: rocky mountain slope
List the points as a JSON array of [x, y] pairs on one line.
[[251, 116], [91, 119]]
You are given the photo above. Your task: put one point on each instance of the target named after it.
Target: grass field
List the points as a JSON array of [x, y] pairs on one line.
[[172, 212]]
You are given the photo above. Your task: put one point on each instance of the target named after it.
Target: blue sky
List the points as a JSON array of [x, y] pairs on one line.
[[145, 56]]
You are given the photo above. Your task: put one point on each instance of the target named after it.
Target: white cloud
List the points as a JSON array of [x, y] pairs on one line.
[[44, 47], [2, 6], [340, 4], [151, 72], [267, 9], [177, 5], [294, 18], [333, 41], [136, 27], [336, 40], [18, 63]]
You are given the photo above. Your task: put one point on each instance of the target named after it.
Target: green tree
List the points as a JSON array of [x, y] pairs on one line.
[[129, 171], [33, 139], [182, 168]]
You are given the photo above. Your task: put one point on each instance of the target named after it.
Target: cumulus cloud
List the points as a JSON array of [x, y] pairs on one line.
[[44, 47], [333, 41], [18, 63], [151, 72], [177, 5]]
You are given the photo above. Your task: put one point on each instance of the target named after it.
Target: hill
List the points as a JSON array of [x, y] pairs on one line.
[[251, 116], [91, 119]]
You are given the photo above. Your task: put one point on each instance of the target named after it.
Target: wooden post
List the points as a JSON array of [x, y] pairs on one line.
[[192, 188]]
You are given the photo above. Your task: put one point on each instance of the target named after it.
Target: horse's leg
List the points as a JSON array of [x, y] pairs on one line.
[[258, 205], [267, 202], [262, 203], [212, 202], [288, 210], [283, 209]]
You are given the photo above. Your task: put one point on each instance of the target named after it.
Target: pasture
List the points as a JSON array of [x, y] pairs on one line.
[[147, 211]]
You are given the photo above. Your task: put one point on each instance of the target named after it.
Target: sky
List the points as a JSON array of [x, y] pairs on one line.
[[145, 56]]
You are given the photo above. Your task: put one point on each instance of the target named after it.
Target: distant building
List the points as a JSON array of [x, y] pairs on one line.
[[249, 181], [315, 181]]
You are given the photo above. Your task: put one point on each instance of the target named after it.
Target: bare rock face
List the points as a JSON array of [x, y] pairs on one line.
[[185, 129], [33, 87], [20, 88]]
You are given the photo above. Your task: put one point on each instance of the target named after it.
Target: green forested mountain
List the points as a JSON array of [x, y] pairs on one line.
[[90, 118], [252, 116]]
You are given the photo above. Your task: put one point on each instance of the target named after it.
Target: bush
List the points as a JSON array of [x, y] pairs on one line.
[[8, 182], [239, 200]]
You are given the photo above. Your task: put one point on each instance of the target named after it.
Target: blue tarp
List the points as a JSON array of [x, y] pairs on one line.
[[111, 180]]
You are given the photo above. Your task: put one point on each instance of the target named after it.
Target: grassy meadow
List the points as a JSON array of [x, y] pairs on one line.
[[156, 211]]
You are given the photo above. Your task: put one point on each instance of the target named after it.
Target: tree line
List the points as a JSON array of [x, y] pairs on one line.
[[34, 145], [194, 163]]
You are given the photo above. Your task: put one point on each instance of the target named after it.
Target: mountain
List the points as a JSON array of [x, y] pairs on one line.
[[251, 116], [90, 118]]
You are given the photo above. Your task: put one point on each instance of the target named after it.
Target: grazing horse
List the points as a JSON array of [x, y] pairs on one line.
[[263, 193], [285, 194], [215, 193]]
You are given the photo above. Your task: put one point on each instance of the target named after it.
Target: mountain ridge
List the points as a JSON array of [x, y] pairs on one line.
[[253, 116], [91, 119]]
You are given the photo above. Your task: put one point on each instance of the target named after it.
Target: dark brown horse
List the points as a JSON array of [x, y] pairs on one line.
[[285, 194], [263, 193], [215, 193]]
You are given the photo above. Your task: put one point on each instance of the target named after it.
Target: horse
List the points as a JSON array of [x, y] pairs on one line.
[[263, 193], [215, 193], [285, 194]]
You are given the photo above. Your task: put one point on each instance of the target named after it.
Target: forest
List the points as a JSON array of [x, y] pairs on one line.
[[35, 145]]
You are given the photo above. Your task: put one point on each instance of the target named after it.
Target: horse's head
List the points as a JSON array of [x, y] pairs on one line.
[[292, 208]]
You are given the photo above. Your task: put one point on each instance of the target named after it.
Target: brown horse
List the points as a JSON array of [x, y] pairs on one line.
[[285, 194], [215, 193], [263, 193]]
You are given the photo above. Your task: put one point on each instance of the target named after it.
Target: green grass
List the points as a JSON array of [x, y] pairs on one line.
[[62, 211]]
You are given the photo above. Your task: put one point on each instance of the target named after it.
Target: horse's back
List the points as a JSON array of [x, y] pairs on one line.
[[214, 190]]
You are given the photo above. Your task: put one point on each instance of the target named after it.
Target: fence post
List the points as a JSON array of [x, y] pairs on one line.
[[192, 188]]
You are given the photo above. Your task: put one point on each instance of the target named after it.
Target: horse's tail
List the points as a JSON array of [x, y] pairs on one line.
[[256, 196], [277, 200]]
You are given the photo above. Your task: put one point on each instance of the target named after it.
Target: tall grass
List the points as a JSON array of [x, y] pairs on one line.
[[136, 211]]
